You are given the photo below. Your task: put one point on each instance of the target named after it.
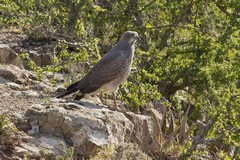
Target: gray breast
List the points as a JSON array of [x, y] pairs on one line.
[[124, 64]]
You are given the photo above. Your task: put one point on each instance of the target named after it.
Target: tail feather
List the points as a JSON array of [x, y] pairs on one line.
[[83, 85], [71, 89], [74, 85]]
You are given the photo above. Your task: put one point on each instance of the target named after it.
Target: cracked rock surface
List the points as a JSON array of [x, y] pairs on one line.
[[86, 128], [51, 126]]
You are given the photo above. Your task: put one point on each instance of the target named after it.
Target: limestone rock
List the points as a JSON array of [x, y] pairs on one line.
[[40, 59], [27, 94], [44, 146], [15, 74], [14, 86], [86, 128], [3, 80], [9, 56]]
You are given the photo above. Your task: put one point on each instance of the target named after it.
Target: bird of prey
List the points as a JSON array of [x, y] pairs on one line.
[[110, 71]]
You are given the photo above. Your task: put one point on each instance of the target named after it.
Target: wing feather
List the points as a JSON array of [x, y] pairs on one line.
[[107, 70], [110, 67]]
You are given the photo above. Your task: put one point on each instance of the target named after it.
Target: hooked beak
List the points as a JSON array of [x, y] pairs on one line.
[[138, 38]]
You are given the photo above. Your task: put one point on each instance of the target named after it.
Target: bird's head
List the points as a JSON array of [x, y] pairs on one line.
[[130, 37]]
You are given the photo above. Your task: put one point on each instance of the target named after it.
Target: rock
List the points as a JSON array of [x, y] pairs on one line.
[[14, 86], [86, 128], [20, 79], [41, 86], [47, 147], [18, 75], [122, 151], [3, 80], [40, 59], [50, 121], [10, 75], [9, 56], [55, 116], [20, 121], [13, 74], [55, 76], [27, 94], [35, 128], [20, 152]]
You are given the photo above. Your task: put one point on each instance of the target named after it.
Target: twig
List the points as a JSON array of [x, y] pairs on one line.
[[58, 35], [4, 155], [198, 139], [235, 153], [158, 27], [147, 5], [76, 45], [175, 23]]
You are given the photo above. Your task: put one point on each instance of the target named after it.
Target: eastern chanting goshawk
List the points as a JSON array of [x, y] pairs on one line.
[[110, 71]]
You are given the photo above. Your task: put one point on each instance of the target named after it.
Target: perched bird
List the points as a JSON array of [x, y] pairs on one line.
[[110, 71]]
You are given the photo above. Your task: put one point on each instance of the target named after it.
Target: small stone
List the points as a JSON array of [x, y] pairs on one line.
[[42, 120], [49, 129], [14, 86], [66, 128], [35, 128], [3, 80], [19, 151], [9, 56]]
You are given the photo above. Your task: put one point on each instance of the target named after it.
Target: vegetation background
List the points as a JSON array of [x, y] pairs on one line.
[[189, 53]]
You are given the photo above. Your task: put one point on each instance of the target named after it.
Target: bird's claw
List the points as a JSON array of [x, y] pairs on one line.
[[122, 109]]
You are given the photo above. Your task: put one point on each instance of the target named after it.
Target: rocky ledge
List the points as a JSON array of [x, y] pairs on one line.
[[49, 127]]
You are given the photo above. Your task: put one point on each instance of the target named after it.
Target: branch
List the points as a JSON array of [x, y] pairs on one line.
[[55, 35], [6, 157], [198, 139], [159, 27], [222, 8], [147, 5], [71, 44], [235, 153], [234, 97], [169, 31], [6, 14]]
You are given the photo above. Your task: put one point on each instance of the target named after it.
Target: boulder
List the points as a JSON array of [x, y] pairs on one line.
[[46, 147], [40, 59], [15, 74], [9, 56], [86, 127]]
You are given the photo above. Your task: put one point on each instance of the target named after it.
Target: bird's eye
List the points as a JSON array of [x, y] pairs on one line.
[[130, 35]]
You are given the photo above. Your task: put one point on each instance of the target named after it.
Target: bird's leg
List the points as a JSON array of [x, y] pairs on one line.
[[103, 100], [115, 104], [115, 101]]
